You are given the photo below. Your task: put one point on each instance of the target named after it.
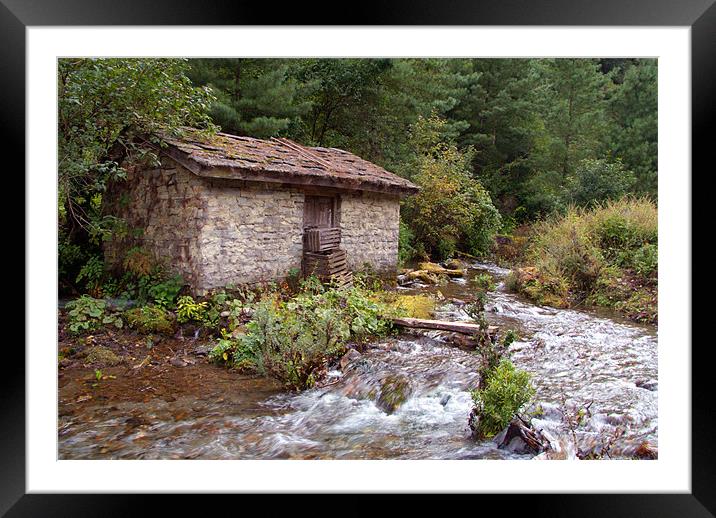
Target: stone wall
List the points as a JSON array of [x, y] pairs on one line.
[[218, 232], [369, 231], [165, 212], [253, 233]]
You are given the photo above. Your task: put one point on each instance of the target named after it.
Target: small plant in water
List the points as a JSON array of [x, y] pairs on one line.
[[506, 391]]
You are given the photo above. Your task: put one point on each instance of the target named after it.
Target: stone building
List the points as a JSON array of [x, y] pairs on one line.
[[234, 210]]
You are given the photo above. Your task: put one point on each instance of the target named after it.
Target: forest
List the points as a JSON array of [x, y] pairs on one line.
[[537, 173]]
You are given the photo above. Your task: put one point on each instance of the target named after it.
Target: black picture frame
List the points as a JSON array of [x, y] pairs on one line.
[[700, 15]]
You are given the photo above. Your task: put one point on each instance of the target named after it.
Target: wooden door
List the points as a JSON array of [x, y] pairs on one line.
[[319, 211]]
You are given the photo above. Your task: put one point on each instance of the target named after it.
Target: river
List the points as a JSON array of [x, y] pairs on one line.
[[595, 376]]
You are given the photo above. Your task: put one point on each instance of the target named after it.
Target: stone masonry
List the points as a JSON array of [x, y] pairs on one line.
[[369, 231], [216, 232]]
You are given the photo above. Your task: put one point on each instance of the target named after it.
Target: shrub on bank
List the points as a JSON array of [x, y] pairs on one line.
[[603, 255], [293, 340], [89, 314]]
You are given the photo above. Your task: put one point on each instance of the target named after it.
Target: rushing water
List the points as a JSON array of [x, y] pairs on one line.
[[578, 360]]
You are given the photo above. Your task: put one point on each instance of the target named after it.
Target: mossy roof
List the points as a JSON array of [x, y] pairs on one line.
[[281, 160]]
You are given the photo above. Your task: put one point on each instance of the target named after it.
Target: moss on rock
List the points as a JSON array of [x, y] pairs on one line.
[[102, 356]]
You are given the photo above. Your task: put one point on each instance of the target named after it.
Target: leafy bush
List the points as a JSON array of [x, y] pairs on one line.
[[600, 180], [91, 275], [293, 340], [149, 319], [190, 311], [406, 244], [506, 391], [89, 314], [164, 293], [452, 209], [484, 282], [645, 260]]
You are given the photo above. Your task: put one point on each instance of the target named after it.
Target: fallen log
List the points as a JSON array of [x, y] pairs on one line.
[[456, 327]]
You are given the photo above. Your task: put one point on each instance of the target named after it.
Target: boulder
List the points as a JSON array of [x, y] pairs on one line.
[[454, 264], [422, 276], [102, 356], [394, 391]]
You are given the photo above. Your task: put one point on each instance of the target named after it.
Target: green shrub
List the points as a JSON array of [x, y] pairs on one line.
[[239, 351], [91, 275], [452, 210], [164, 293], [406, 248], [591, 253], [645, 260], [599, 180], [89, 314], [190, 311], [506, 391], [484, 282], [509, 337], [149, 319], [293, 340]]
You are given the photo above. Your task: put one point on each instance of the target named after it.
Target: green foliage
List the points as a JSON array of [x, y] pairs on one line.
[[509, 337], [406, 244], [645, 260], [92, 275], [598, 180], [506, 391], [164, 293], [452, 210], [89, 314], [293, 340], [256, 97], [632, 107], [149, 319], [607, 254], [483, 282], [190, 311]]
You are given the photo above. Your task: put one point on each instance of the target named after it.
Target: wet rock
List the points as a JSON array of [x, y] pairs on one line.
[[454, 264], [444, 400], [178, 362], [520, 438], [646, 450], [651, 385], [349, 357], [423, 276], [394, 391], [102, 356], [203, 349]]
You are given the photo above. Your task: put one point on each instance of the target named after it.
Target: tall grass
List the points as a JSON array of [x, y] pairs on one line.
[[583, 247], [580, 243]]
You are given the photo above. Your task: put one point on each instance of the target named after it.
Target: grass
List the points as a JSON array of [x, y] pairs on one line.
[[606, 255]]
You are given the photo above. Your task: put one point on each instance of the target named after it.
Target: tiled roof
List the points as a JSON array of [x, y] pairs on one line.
[[282, 160]]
